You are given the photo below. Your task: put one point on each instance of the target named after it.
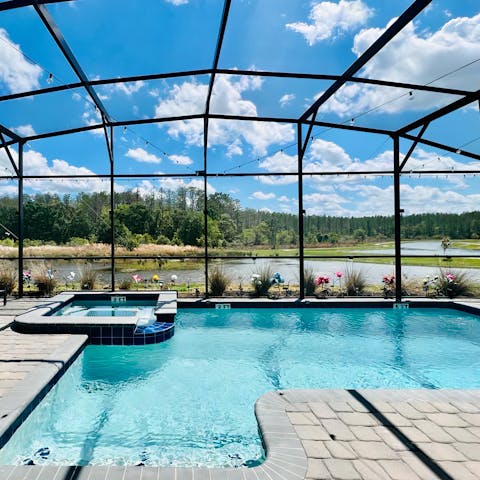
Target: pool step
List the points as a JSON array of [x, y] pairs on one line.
[[166, 307]]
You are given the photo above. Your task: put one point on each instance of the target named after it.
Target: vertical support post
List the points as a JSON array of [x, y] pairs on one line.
[[397, 218], [205, 199], [301, 212], [112, 210], [21, 230]]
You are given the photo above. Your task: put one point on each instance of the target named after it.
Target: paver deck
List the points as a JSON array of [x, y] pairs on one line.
[[308, 434]]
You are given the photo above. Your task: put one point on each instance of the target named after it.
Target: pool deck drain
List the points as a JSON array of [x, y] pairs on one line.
[[312, 434]]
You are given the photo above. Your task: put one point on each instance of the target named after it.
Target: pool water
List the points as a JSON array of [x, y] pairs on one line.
[[189, 401], [99, 308]]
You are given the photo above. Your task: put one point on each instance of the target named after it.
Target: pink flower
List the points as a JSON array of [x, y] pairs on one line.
[[339, 274], [388, 279], [136, 278], [450, 277], [321, 280]]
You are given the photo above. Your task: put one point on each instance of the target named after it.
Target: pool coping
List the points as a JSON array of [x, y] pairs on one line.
[[286, 458], [103, 330]]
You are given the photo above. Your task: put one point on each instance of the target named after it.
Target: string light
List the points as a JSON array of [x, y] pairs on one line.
[[50, 79]]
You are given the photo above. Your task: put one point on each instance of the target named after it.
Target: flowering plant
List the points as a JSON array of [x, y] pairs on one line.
[[388, 285], [450, 277], [339, 274], [322, 280], [389, 279]]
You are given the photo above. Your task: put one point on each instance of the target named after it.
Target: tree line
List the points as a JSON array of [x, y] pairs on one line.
[[177, 217]]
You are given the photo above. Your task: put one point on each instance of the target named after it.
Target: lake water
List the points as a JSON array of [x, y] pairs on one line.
[[241, 270]]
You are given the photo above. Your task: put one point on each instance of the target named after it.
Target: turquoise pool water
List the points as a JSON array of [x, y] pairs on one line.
[[189, 401], [101, 308]]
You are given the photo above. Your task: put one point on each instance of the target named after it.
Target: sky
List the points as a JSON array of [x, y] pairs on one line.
[[119, 38]]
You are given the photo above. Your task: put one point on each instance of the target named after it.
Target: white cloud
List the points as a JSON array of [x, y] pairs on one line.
[[325, 204], [16, 72], [324, 155], [280, 162], [25, 130], [128, 88], [141, 155], [91, 116], [330, 20], [227, 98], [416, 57], [277, 179], [263, 196], [37, 164], [176, 183], [177, 2], [286, 99], [181, 159]]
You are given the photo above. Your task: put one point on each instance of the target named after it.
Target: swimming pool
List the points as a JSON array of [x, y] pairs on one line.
[[190, 401]]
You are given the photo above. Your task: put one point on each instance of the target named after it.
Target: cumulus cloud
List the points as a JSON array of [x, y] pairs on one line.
[[326, 203], [176, 183], [279, 162], [37, 164], [263, 196], [25, 130], [181, 159], [286, 99], [129, 88], [16, 72], [363, 195], [415, 199], [141, 155], [412, 56], [330, 20], [189, 98]]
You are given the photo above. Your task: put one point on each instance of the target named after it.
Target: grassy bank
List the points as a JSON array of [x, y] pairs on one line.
[[161, 255]]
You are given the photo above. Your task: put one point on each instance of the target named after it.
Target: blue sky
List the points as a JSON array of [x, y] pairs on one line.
[[116, 38]]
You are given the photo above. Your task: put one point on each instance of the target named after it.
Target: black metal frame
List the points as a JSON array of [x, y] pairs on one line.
[[307, 120]]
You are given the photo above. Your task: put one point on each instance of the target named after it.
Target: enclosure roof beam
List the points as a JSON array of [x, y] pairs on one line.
[[413, 146], [62, 44], [147, 121], [402, 21], [447, 148], [218, 49], [223, 71], [332, 125], [9, 133], [441, 112], [11, 4], [9, 153]]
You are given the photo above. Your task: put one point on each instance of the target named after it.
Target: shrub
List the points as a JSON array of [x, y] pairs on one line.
[[88, 277], [126, 284], [309, 281], [8, 278], [454, 283], [354, 281], [45, 281], [262, 280], [78, 241], [218, 282]]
